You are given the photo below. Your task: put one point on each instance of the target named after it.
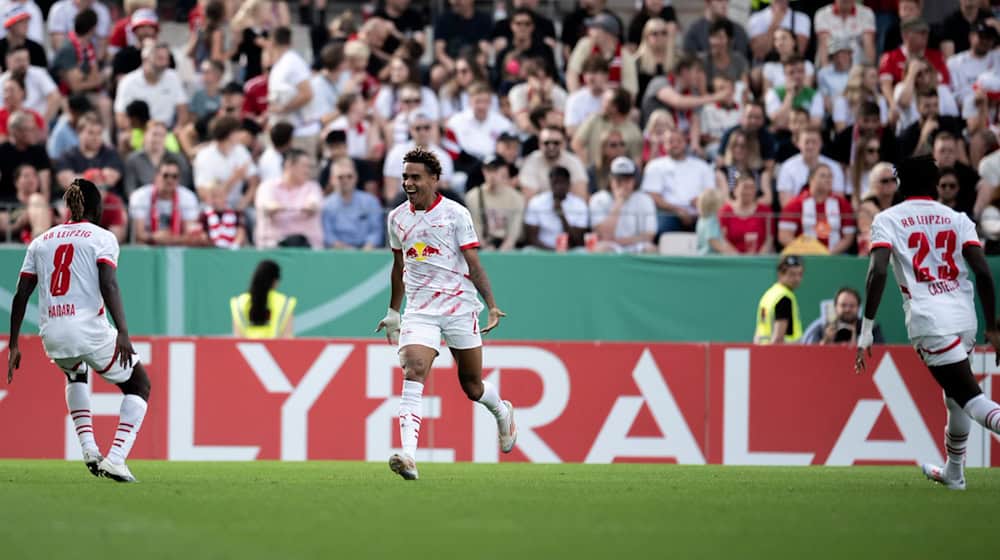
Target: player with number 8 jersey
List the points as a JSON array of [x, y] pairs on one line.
[[933, 249], [75, 265]]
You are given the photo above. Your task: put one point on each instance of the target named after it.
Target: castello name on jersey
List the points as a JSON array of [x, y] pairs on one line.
[[64, 233], [925, 220]]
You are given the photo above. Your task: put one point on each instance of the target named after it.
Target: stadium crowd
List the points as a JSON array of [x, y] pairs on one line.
[[598, 131]]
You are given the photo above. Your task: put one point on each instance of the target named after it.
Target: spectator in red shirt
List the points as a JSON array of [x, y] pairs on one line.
[[746, 223], [893, 63], [13, 100], [255, 92], [819, 213]]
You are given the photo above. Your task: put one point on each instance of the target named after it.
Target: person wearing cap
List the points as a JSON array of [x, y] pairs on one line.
[[36, 20], [603, 38], [831, 80], [981, 57], [954, 32], [849, 21], [778, 320], [623, 218], [892, 66], [556, 212], [62, 15], [126, 49], [16, 21], [497, 208], [574, 25], [779, 14], [122, 34], [552, 152], [42, 93], [423, 132]]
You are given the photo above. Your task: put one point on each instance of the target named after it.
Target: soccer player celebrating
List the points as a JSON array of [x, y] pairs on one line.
[[932, 249], [76, 264], [434, 255]]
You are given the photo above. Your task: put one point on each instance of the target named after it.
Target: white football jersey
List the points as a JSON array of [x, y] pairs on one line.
[[72, 321], [926, 240], [435, 273]]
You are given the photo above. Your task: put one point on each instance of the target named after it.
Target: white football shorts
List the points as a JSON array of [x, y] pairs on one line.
[[945, 350], [460, 332], [103, 361]]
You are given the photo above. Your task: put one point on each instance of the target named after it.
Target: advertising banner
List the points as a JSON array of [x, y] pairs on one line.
[[235, 400]]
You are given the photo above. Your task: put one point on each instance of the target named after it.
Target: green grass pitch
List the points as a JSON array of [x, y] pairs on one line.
[[56, 509]]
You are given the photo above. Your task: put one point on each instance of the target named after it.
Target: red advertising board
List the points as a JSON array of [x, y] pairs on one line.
[[225, 399]]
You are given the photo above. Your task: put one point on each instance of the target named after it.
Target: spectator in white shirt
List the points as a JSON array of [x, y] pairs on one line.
[[554, 213], [587, 100], [164, 212], [42, 94], [551, 153], [623, 218], [476, 129], [773, 73], [762, 24], [920, 76], [289, 91], [363, 139], [536, 90], [326, 86], [226, 161], [981, 57], [156, 84], [850, 21], [794, 173], [675, 181], [389, 100], [272, 162]]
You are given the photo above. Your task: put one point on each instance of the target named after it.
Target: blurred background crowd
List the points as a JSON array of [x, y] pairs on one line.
[[606, 126]]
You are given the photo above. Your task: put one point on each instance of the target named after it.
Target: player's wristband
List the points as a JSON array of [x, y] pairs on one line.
[[392, 315], [866, 337]]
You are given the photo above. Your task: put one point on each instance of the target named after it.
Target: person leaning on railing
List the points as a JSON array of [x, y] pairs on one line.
[[263, 311]]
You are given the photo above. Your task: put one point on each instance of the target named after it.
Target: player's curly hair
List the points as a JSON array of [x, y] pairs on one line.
[[426, 157], [83, 199]]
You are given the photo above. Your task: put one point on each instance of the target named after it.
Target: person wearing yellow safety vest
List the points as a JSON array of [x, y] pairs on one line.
[[263, 311], [778, 319]]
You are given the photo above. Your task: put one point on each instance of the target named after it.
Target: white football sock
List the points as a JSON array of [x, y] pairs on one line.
[[409, 416], [492, 401], [78, 403], [129, 421], [984, 411], [956, 437]]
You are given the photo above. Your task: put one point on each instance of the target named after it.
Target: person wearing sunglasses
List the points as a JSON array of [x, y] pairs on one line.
[[947, 188], [534, 174], [165, 212], [881, 189]]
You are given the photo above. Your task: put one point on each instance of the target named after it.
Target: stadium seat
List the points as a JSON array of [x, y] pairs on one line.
[[679, 243]]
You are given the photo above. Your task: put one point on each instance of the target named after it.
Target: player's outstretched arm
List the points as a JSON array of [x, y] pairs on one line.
[[976, 258], [108, 279], [878, 268], [391, 321], [482, 283], [25, 287]]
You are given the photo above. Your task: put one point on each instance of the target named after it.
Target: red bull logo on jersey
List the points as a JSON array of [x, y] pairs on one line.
[[420, 251]]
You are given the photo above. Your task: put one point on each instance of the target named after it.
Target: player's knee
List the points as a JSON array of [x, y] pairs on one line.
[[138, 384], [416, 369]]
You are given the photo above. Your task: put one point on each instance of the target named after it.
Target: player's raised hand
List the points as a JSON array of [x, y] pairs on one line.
[[125, 351], [859, 359], [494, 319], [993, 337], [391, 325], [13, 362]]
